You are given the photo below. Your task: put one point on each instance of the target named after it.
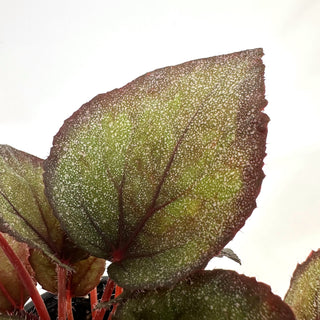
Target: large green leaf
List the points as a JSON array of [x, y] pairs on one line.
[[304, 292], [215, 295], [12, 292], [159, 175]]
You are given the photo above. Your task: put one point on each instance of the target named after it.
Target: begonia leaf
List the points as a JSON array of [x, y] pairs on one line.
[[215, 295], [158, 176], [12, 292], [24, 209], [86, 274], [304, 293]]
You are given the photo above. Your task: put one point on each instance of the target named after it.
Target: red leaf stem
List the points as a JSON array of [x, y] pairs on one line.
[[119, 290], [69, 304], [62, 293], [21, 296], [105, 297], [25, 278], [93, 301]]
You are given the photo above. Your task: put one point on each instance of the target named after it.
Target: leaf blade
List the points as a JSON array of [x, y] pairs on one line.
[[25, 212], [23, 206], [158, 165], [304, 292], [217, 294]]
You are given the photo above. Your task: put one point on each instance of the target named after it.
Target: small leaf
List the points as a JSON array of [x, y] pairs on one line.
[[85, 276], [24, 210], [304, 293], [216, 295], [12, 293], [159, 176], [226, 252]]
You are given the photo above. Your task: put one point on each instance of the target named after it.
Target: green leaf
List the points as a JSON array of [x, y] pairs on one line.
[[85, 276], [304, 293], [158, 176], [27, 215], [12, 292], [24, 209], [217, 294]]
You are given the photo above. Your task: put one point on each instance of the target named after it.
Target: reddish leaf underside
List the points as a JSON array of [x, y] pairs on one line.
[[215, 295], [12, 293], [158, 176], [85, 276], [304, 293]]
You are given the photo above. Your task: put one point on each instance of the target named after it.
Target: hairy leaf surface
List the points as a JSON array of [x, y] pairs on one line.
[[215, 295], [304, 293], [158, 176], [26, 214], [24, 210]]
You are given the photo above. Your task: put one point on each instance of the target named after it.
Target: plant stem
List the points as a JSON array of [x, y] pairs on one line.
[[105, 297], [69, 305], [25, 278], [21, 295], [119, 290], [93, 301], [62, 290]]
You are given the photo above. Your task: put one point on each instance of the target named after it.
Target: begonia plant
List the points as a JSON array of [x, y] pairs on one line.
[[155, 177]]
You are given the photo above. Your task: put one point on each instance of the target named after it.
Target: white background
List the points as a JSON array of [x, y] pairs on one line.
[[57, 55]]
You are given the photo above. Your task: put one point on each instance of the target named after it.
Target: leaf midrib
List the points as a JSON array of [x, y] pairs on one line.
[[152, 209]]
